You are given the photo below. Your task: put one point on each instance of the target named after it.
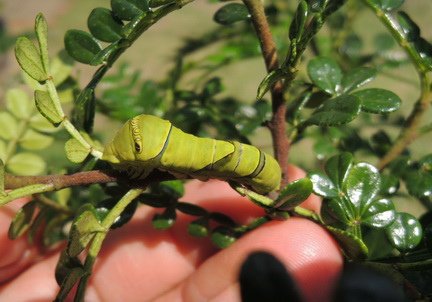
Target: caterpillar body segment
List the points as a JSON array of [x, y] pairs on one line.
[[147, 142]]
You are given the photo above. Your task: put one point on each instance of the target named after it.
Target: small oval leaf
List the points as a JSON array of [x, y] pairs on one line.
[[199, 228], [22, 220], [337, 111], [33, 140], [326, 74], [268, 82], [293, 194], [223, 237], [26, 164], [353, 247], [377, 100], [18, 103], [362, 184], [75, 151], [104, 26], [129, 9], [41, 29], [357, 77], [380, 213], [46, 106], [81, 46], [405, 233], [323, 186], [29, 59], [8, 126], [337, 168], [231, 13]]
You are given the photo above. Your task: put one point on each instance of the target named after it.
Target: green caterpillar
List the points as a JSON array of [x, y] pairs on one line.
[[147, 142]]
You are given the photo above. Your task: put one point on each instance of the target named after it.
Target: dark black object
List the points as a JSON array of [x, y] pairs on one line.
[[264, 278], [361, 284]]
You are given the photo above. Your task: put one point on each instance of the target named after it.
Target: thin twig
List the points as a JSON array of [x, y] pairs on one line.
[[277, 123]]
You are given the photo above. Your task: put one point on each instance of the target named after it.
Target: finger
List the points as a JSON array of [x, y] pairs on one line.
[[15, 255], [37, 283], [313, 202], [307, 250]]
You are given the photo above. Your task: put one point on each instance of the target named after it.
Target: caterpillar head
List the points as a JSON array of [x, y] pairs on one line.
[[121, 148], [140, 139]]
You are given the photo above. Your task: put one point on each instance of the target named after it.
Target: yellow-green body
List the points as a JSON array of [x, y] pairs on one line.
[[147, 142]]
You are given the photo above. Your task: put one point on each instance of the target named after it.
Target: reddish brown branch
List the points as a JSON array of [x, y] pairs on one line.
[[79, 179], [277, 124]]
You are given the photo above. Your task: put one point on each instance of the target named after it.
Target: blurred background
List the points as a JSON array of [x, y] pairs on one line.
[[153, 53]]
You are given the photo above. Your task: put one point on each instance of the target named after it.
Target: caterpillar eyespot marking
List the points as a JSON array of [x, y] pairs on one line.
[[148, 142]]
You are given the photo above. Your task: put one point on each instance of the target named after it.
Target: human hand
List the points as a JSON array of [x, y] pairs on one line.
[[139, 263]]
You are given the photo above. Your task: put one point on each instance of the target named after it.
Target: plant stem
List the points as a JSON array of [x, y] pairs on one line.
[[277, 123], [28, 185], [410, 131], [97, 241]]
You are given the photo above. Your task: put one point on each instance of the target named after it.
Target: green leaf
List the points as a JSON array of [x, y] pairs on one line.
[[293, 194], [22, 220], [40, 123], [41, 29], [357, 77], [337, 168], [33, 140], [81, 46], [75, 151], [18, 103], [419, 183], [258, 199], [29, 59], [61, 68], [388, 4], [337, 111], [405, 233], [46, 106], [326, 74], [212, 87], [298, 23], [84, 110], [64, 266], [104, 26], [409, 28], [335, 212], [362, 184], [191, 209], [129, 9], [84, 228], [199, 227], [323, 186], [8, 126], [174, 188], [424, 49], [223, 237], [353, 247], [26, 164], [377, 100], [269, 81], [165, 220], [380, 213], [389, 184], [231, 13]]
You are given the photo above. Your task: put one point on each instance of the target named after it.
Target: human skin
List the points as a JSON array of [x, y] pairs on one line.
[[139, 263]]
